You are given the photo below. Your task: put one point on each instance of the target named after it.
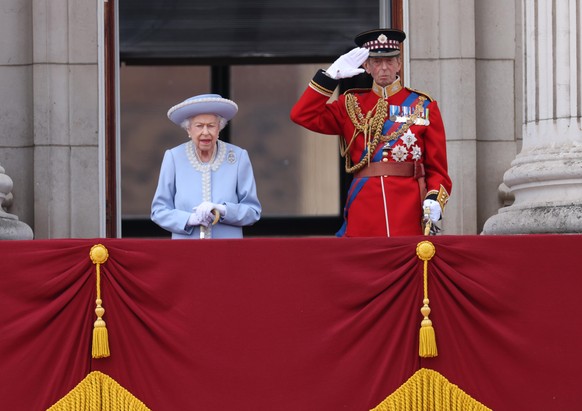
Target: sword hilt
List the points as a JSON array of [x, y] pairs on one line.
[[427, 221]]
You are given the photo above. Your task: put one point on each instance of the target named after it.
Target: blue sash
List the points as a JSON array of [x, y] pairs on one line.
[[356, 186]]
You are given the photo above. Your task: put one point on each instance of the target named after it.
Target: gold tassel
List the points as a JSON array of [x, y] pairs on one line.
[[427, 343], [427, 347], [100, 348]]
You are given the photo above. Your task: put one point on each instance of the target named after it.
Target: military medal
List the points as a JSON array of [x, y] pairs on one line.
[[394, 112], [401, 114]]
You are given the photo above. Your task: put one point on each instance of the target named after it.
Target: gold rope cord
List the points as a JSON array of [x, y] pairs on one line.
[[371, 125], [100, 348], [98, 392], [429, 390], [427, 347]]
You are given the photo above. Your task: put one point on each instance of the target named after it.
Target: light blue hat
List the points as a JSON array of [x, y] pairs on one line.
[[203, 104]]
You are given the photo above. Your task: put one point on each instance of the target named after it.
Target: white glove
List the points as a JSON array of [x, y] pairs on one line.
[[205, 214], [347, 65], [195, 220], [221, 208], [435, 209]]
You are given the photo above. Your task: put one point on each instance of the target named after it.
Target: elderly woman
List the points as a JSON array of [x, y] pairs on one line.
[[206, 187]]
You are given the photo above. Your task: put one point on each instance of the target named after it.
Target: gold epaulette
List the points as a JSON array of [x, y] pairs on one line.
[[422, 93]]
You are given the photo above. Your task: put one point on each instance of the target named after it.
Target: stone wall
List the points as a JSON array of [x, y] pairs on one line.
[[465, 54], [49, 112]]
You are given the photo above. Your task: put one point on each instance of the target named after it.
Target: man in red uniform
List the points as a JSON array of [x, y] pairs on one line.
[[392, 138]]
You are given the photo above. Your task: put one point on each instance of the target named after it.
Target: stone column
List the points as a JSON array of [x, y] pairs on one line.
[[10, 227], [442, 64], [66, 113], [545, 178]]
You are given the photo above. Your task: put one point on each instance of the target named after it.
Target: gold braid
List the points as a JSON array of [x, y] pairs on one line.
[[371, 125]]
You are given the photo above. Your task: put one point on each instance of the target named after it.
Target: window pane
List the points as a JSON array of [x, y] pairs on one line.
[[146, 95], [233, 29], [297, 171]]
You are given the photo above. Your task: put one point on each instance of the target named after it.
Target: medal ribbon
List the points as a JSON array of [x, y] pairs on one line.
[[388, 128]]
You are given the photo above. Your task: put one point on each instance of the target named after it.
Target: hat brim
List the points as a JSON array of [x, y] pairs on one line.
[[392, 53], [206, 105]]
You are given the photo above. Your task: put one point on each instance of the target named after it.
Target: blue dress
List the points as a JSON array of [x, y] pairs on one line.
[[185, 182]]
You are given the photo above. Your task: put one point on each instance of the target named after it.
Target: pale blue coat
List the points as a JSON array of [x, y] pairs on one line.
[[185, 182]]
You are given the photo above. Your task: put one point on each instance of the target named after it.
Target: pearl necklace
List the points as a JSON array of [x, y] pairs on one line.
[[205, 169]]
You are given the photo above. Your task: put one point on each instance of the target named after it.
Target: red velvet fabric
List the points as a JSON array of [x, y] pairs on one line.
[[293, 324]]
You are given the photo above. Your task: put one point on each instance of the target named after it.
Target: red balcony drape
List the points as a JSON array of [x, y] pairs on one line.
[[293, 324]]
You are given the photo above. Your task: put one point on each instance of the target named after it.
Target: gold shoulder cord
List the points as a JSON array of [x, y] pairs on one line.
[[371, 125]]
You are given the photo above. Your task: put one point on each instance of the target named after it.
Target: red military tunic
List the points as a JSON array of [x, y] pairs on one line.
[[378, 205]]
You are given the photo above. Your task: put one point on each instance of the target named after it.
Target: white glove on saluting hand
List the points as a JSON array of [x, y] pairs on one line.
[[348, 65], [435, 209]]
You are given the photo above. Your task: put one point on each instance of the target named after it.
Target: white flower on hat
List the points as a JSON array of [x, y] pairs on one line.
[[382, 38]]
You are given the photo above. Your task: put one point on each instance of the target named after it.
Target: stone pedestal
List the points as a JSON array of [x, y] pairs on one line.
[[546, 183], [546, 177], [10, 227]]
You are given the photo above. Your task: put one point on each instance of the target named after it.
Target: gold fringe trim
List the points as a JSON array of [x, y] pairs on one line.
[[427, 346], [100, 348], [429, 390], [98, 392]]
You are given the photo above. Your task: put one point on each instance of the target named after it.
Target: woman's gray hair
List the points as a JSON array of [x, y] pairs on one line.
[[222, 122]]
